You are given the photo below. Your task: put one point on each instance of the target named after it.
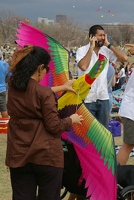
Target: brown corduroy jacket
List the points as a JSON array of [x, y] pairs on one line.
[[34, 130]]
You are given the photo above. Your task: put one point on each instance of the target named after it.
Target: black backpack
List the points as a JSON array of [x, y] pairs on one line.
[[72, 171]]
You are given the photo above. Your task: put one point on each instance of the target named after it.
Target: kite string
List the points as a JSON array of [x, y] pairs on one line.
[[78, 96]]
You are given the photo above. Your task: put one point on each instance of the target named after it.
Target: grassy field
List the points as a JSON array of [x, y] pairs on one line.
[[5, 187]]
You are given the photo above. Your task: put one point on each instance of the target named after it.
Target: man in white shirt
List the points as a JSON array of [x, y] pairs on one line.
[[126, 111], [97, 100]]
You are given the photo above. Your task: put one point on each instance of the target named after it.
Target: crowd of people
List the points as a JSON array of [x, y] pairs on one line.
[[7, 52], [34, 150], [4, 76]]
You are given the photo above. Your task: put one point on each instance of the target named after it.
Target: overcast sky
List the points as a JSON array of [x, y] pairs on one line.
[[82, 11]]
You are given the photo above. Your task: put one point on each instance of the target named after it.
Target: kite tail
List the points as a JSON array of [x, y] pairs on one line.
[[82, 85], [96, 69]]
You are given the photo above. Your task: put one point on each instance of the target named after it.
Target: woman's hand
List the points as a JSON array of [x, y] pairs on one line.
[[68, 86], [76, 119]]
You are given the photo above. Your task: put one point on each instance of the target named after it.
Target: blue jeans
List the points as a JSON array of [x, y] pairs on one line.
[[122, 80], [110, 102], [100, 110]]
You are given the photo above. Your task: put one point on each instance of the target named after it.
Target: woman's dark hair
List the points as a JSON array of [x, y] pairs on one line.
[[27, 66], [122, 65], [93, 29]]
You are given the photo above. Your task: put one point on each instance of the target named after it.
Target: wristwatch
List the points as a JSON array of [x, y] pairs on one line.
[[109, 45]]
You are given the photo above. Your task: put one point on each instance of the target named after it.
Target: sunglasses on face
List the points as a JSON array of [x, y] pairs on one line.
[[47, 69]]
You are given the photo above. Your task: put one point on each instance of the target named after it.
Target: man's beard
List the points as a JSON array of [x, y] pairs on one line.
[[99, 43]]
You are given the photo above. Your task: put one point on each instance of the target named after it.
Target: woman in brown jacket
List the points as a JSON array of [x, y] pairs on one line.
[[34, 150]]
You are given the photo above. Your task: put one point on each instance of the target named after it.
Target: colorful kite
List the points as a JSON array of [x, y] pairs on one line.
[[59, 65], [93, 143], [99, 8]]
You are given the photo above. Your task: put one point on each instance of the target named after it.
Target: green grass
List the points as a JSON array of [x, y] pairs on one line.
[[5, 187]]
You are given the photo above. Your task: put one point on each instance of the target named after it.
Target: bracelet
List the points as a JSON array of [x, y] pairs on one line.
[[109, 45]]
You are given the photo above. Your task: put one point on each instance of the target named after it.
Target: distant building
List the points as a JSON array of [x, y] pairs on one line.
[[110, 25], [60, 18], [46, 21], [116, 25]]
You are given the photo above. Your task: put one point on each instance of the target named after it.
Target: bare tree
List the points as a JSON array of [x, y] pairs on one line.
[[8, 25], [70, 32], [126, 32], [67, 32]]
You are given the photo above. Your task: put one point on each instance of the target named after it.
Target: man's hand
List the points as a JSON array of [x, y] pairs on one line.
[[129, 45], [131, 50], [106, 43], [92, 40]]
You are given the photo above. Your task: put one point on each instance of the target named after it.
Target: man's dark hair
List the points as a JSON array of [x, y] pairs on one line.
[[93, 29]]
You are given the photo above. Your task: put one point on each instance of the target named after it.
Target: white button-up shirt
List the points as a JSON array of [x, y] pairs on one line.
[[99, 87], [127, 104]]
